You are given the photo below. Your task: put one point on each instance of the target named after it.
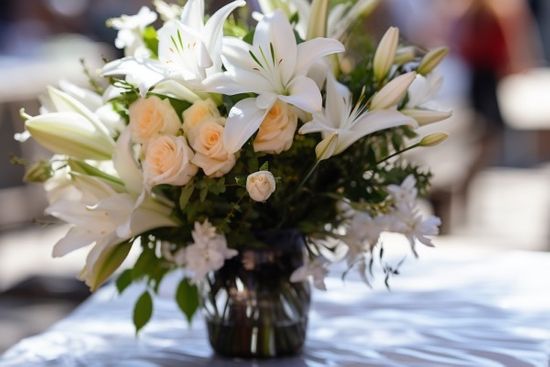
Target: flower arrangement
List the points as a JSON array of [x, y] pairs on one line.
[[208, 131]]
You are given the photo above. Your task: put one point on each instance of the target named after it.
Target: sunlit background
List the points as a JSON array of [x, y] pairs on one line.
[[492, 176]]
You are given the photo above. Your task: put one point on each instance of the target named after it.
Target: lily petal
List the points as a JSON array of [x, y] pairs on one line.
[[144, 220], [243, 82], [275, 32], [71, 134], [372, 122], [315, 49], [177, 90], [126, 165], [243, 121], [236, 54], [266, 100], [214, 29], [337, 100], [74, 239], [142, 73], [192, 14], [304, 94], [65, 103], [317, 125]]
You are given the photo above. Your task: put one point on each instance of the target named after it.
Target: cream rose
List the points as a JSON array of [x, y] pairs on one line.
[[197, 113], [276, 132], [260, 185], [210, 154], [150, 117], [168, 161]]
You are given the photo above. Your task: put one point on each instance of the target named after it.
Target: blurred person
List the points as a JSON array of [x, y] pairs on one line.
[[495, 38], [541, 11]]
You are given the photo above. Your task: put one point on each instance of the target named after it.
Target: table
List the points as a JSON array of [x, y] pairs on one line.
[[456, 306]]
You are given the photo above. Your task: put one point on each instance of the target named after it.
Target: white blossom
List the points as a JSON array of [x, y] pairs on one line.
[[363, 234], [130, 32], [407, 219], [404, 195], [208, 252]]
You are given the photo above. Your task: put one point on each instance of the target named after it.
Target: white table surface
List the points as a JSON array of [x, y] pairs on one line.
[[456, 306]]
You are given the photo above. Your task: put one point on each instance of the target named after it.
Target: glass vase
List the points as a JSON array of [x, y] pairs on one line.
[[252, 309]]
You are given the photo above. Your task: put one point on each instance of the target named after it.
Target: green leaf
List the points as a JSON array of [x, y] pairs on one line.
[[151, 40], [124, 280], [108, 262], [187, 297], [143, 310], [249, 37], [145, 261], [264, 166], [253, 164], [185, 195], [240, 180], [203, 193], [295, 18]]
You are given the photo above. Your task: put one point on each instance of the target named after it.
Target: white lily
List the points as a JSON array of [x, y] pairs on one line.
[[73, 129], [274, 67], [100, 216], [189, 51], [130, 32], [342, 124], [420, 105]]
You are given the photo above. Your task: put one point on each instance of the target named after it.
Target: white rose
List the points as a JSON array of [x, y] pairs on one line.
[[207, 141], [260, 185], [150, 117], [198, 112], [276, 132], [168, 161]]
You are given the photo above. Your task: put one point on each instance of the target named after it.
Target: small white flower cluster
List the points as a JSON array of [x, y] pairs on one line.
[[207, 253], [363, 232]]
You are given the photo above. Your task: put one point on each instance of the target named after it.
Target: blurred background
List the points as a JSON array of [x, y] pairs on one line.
[[492, 177]]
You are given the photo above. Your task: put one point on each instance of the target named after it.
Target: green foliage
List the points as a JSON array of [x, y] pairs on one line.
[[143, 310], [151, 41], [187, 298], [124, 280]]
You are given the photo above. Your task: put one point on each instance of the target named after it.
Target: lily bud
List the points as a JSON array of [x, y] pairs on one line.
[[317, 26], [425, 117], [393, 92], [405, 55], [433, 139], [431, 60], [107, 263], [39, 172], [385, 53], [70, 134], [326, 147]]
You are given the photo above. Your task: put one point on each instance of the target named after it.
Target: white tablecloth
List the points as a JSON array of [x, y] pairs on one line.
[[453, 307]]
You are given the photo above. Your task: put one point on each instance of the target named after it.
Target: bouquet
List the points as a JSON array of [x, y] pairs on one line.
[[212, 130]]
